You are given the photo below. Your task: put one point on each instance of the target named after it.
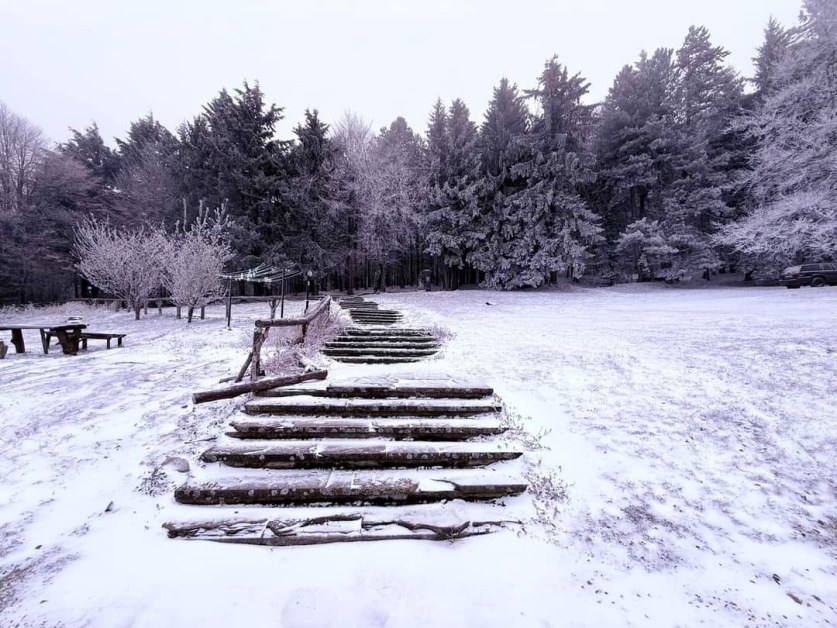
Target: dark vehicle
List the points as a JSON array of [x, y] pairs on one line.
[[814, 275]]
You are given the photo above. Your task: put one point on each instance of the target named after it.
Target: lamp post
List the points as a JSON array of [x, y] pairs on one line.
[[308, 275]]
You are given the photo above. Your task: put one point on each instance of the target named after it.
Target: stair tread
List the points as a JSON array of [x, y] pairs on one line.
[[366, 453], [328, 405], [377, 359], [269, 486], [363, 427]]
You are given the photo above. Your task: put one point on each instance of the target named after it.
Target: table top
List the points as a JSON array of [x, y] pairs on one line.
[[63, 325]]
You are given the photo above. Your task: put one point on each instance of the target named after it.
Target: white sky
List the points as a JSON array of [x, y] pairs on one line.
[[66, 63]]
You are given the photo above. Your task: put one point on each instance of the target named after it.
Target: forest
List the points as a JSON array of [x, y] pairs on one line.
[[685, 170]]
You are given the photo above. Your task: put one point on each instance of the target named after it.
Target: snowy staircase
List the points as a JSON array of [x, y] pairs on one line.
[[411, 443], [375, 341]]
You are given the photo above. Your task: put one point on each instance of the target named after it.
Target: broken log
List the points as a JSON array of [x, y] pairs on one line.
[[265, 384]]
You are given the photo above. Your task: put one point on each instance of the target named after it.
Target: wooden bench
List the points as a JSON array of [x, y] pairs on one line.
[[90, 335]]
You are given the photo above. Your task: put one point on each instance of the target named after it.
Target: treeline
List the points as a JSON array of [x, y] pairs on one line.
[[680, 172]]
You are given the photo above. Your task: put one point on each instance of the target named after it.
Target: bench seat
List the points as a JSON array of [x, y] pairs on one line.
[[92, 335]]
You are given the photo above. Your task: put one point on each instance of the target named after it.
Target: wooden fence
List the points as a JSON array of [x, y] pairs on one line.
[[263, 328]]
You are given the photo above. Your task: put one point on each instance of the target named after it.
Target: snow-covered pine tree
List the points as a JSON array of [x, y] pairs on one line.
[[635, 143], [706, 99], [792, 212], [315, 223], [776, 41], [455, 177], [503, 148], [548, 226]]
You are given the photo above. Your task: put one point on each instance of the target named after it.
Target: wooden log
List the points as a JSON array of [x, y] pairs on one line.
[[265, 384]]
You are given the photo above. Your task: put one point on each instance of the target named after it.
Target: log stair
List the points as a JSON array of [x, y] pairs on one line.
[[391, 456], [375, 340]]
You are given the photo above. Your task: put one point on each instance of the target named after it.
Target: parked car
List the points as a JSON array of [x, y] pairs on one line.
[[814, 275]]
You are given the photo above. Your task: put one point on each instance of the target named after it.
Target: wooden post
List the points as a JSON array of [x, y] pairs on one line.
[[255, 364], [229, 302], [159, 307], [282, 296], [178, 312], [203, 312]]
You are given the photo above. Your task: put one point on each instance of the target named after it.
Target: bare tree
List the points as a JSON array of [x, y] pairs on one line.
[[126, 263], [22, 149], [194, 259]]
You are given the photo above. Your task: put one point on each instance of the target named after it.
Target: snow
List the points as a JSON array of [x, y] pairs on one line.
[[694, 429]]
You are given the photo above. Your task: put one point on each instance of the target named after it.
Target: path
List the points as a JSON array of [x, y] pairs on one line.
[[394, 441]]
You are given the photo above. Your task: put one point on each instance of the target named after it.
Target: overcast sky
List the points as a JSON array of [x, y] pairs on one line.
[[66, 63]]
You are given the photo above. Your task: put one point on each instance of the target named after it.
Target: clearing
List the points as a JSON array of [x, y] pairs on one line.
[[692, 430]]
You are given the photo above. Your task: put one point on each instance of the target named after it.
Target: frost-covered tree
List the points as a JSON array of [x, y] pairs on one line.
[[706, 99], [645, 248], [636, 142], [792, 212], [194, 257], [22, 151], [127, 263], [503, 149], [545, 226], [453, 186], [390, 215]]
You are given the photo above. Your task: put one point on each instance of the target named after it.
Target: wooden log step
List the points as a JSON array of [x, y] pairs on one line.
[[385, 339], [334, 528], [383, 353], [372, 319], [417, 429], [365, 318], [371, 359], [413, 486], [357, 454], [433, 390], [325, 406], [365, 311], [372, 344], [384, 391], [392, 331]]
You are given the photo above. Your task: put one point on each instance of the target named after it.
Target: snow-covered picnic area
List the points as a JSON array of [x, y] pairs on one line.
[[688, 434]]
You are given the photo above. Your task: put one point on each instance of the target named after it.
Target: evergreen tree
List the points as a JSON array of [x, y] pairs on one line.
[[707, 99], [231, 153], [770, 54], [89, 149], [148, 186], [315, 227], [792, 212], [503, 148], [455, 168]]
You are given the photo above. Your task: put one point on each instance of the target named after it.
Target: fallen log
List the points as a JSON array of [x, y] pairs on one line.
[[264, 384]]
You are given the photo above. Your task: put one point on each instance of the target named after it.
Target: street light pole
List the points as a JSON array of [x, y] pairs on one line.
[[308, 276]]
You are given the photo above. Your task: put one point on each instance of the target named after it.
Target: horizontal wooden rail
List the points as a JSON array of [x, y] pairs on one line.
[[301, 320], [263, 328]]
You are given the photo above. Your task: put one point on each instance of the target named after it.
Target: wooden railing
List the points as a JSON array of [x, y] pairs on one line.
[[263, 328]]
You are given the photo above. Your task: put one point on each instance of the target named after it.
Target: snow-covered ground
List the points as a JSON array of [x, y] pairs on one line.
[[695, 430]]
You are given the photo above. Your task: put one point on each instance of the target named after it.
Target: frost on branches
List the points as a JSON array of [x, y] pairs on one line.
[[194, 259], [125, 263], [793, 192]]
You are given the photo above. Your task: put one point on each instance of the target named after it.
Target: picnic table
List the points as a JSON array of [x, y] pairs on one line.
[[68, 334]]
